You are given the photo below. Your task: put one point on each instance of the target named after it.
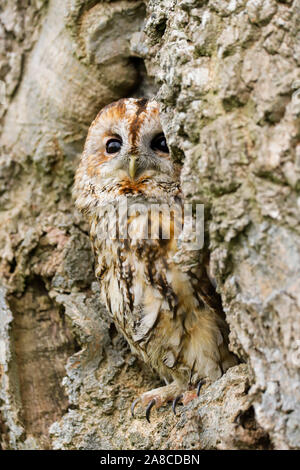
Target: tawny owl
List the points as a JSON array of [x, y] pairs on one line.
[[172, 318]]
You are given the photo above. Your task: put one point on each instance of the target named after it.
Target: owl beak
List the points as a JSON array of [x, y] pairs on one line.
[[132, 166]]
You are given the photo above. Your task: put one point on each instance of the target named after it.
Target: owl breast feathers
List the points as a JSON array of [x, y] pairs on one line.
[[172, 318]]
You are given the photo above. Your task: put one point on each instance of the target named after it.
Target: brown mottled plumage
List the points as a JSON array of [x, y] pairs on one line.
[[170, 317]]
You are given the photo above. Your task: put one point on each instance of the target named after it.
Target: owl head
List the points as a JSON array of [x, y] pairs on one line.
[[125, 155]]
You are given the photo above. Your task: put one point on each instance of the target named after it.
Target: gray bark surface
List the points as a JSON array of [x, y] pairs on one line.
[[227, 76]]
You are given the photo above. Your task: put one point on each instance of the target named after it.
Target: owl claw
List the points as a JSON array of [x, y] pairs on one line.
[[148, 409], [174, 403], [136, 401], [201, 382], [160, 396]]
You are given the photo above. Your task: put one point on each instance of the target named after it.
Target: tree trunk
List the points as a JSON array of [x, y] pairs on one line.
[[227, 76]]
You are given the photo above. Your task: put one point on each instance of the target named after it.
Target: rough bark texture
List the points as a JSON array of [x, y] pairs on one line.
[[227, 76]]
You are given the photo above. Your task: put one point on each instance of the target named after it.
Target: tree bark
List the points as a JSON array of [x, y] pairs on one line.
[[227, 77]]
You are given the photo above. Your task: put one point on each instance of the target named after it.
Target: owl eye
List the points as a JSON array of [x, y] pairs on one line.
[[113, 145], [159, 143]]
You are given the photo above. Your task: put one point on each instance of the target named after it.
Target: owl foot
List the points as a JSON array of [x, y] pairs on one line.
[[188, 396], [157, 397], [160, 396]]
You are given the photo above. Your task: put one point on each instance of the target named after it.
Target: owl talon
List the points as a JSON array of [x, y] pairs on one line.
[[136, 401], [148, 409], [174, 403], [201, 382], [169, 393]]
